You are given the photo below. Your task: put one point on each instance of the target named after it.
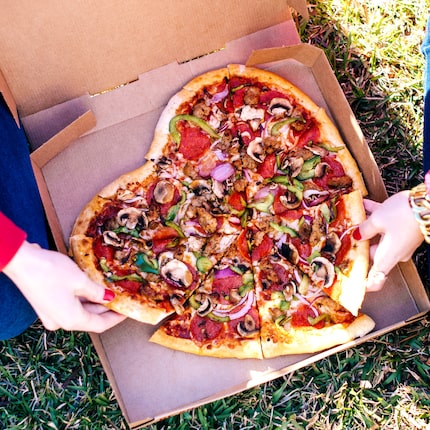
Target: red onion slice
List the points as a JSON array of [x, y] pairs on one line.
[[224, 273], [249, 300], [222, 172]]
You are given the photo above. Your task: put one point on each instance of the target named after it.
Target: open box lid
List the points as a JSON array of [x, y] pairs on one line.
[[54, 51]]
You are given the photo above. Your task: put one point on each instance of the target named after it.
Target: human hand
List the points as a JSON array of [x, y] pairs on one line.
[[400, 235], [61, 294]]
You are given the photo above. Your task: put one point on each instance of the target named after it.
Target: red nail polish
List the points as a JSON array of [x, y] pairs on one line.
[[356, 234], [109, 295]]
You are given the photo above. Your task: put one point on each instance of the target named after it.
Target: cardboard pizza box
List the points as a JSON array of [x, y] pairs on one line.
[[90, 89]]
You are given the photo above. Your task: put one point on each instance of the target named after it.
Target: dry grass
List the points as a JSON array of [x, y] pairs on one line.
[[55, 380]]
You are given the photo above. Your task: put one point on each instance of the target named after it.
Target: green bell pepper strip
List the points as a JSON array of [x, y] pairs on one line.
[[278, 125], [308, 168], [173, 211], [123, 229], [283, 229], [146, 264], [176, 227], [176, 136], [203, 264], [132, 277], [323, 317], [263, 205], [331, 148]]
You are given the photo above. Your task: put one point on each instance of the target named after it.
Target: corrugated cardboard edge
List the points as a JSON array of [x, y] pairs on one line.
[[8, 98], [47, 152], [271, 375]]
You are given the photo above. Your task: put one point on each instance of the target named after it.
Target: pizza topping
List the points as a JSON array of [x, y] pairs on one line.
[[255, 150], [281, 126], [336, 313], [332, 244], [222, 172], [237, 311], [247, 327], [323, 271], [177, 272], [131, 218], [202, 303], [280, 107], [111, 238], [176, 136], [164, 192], [252, 95]]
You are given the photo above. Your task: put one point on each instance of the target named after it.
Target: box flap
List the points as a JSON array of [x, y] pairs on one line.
[[8, 98], [61, 50]]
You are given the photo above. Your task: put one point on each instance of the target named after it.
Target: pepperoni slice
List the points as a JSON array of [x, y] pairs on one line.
[[194, 143], [224, 285], [262, 249], [101, 250], [237, 201], [308, 135], [267, 168], [204, 329], [242, 245], [163, 239], [300, 318]]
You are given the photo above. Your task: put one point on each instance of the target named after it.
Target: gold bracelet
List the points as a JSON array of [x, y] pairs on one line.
[[420, 205]]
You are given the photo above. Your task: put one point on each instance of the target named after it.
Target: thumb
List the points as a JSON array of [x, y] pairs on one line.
[[367, 230]]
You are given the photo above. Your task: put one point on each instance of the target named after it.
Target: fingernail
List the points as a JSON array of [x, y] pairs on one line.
[[109, 295], [356, 234]]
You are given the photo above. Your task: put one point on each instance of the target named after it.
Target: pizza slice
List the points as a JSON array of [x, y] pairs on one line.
[[221, 318], [319, 241], [296, 316], [127, 238]]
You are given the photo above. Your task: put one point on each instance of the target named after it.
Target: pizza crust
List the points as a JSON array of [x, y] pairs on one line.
[[235, 349], [309, 340], [350, 288], [330, 134]]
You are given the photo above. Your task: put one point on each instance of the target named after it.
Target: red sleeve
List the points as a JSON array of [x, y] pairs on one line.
[[11, 239]]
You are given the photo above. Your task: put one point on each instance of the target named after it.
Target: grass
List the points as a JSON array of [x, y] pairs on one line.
[[53, 380]]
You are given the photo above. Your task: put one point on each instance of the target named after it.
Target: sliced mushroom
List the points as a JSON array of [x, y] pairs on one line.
[[164, 192], [332, 244], [218, 188], [279, 107], [200, 187], [320, 170], [323, 271], [289, 290], [289, 251], [205, 303], [177, 272], [131, 217], [247, 326], [293, 165], [256, 150], [290, 200], [234, 296], [125, 194], [111, 238], [317, 150], [177, 303]]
